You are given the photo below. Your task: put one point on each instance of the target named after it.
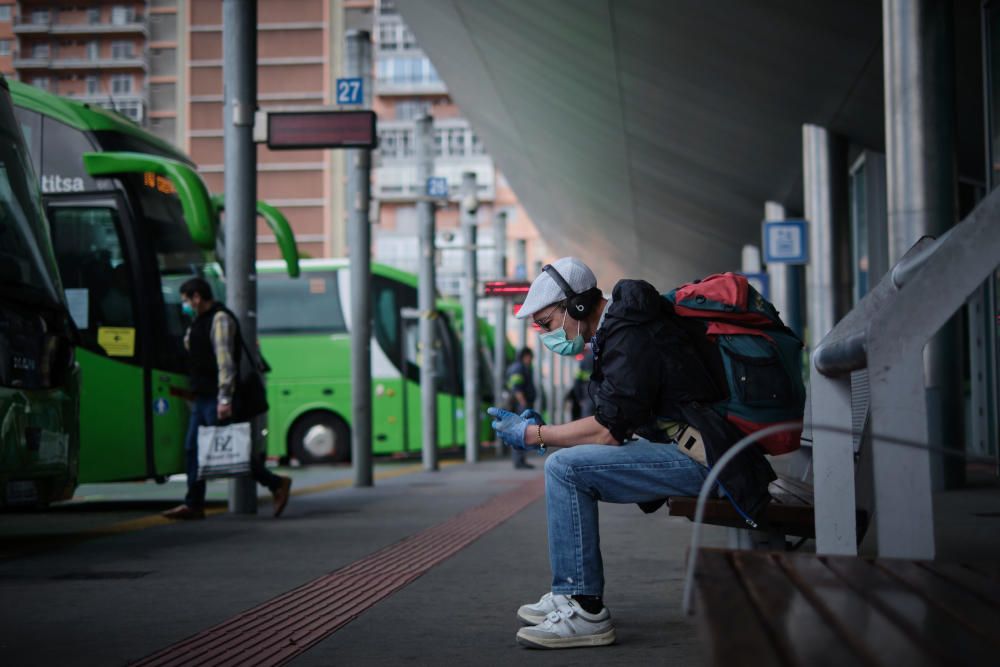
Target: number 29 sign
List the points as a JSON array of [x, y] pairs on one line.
[[350, 91]]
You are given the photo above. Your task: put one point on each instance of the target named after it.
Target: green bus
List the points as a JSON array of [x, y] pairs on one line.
[[130, 220], [304, 326], [39, 378]]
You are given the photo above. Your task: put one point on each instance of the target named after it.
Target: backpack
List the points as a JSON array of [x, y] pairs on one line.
[[762, 358]]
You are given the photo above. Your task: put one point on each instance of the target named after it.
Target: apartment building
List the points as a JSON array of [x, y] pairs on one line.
[[406, 87], [159, 62], [299, 52], [118, 54]]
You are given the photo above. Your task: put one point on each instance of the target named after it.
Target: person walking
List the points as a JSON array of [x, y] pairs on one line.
[[652, 371], [213, 346]]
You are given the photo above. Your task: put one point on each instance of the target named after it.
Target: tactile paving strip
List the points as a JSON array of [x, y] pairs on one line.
[[280, 629]]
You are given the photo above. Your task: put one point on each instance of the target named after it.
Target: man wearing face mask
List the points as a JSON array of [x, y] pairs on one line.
[[212, 342], [651, 372]]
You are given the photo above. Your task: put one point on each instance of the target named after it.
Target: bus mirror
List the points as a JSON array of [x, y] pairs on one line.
[[278, 223]]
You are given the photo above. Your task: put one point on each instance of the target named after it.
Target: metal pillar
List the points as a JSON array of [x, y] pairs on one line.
[[358, 64], [239, 55], [750, 259], [920, 183], [500, 333], [521, 273], [540, 351], [825, 192], [470, 333], [833, 461], [426, 289], [784, 280]]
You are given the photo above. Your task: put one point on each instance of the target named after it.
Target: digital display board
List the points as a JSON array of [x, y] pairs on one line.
[[321, 129]]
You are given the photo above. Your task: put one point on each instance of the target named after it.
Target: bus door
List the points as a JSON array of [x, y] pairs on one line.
[[389, 368], [96, 254], [170, 257], [449, 378], [445, 404]]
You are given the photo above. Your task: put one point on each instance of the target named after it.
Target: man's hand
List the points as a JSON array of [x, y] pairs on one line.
[[532, 417], [510, 427], [224, 411]]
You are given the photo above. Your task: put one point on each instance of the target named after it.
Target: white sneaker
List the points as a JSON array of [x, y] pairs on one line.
[[570, 626], [533, 614]]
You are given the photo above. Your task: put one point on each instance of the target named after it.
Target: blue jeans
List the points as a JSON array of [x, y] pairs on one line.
[[577, 477], [204, 412]]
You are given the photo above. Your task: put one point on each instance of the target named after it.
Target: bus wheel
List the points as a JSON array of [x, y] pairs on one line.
[[320, 437]]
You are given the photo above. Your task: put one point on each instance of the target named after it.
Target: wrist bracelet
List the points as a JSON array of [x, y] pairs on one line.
[[541, 443]]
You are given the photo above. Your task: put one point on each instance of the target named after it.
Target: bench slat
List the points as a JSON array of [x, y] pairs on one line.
[[969, 579], [791, 487], [969, 610], [774, 595], [730, 617], [927, 625], [851, 613]]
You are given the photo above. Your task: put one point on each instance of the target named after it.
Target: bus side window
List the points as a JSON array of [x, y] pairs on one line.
[[96, 278], [390, 298]]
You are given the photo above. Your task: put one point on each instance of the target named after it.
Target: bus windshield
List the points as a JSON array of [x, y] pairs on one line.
[[26, 273]]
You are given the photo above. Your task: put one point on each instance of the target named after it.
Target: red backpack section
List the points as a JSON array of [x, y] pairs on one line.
[[762, 357]]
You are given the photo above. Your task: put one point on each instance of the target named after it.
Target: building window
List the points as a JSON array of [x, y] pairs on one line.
[[456, 142], [477, 145], [122, 14], [121, 84], [130, 109], [411, 109], [93, 51], [122, 50], [40, 51], [387, 37], [387, 7], [4, 12], [41, 16], [409, 41], [93, 85], [94, 15], [40, 82], [4, 47]]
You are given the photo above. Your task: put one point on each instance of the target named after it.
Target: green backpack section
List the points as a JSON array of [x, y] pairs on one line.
[[762, 358]]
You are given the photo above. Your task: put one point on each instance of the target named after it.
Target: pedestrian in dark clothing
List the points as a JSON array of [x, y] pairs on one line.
[[578, 397], [520, 385], [213, 361], [652, 372]]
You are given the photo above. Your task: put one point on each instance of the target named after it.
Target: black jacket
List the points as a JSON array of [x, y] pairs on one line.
[[650, 364]]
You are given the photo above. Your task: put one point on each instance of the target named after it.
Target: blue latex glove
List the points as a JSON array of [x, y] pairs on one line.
[[532, 417], [510, 427]]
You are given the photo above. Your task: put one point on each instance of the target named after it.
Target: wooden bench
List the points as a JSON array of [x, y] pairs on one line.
[[764, 609], [790, 511]]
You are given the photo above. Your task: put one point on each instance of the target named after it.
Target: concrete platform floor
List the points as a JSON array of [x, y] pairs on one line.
[[103, 581]]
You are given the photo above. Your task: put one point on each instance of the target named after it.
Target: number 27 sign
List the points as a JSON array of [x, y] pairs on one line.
[[350, 91]]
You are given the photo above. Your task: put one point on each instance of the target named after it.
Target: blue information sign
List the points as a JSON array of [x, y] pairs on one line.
[[437, 186], [161, 406], [786, 242], [350, 91], [760, 282]]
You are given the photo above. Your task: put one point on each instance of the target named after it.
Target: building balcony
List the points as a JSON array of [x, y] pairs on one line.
[[396, 180], [29, 62], [132, 28], [138, 62], [413, 87], [28, 28]]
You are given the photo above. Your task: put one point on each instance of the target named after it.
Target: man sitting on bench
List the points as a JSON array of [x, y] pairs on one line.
[[653, 373]]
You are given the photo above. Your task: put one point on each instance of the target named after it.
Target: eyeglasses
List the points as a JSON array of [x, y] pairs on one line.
[[545, 323]]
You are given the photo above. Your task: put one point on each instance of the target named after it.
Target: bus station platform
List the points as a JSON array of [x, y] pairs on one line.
[[421, 568]]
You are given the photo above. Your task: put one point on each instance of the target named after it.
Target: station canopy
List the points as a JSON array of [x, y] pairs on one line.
[[644, 136]]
